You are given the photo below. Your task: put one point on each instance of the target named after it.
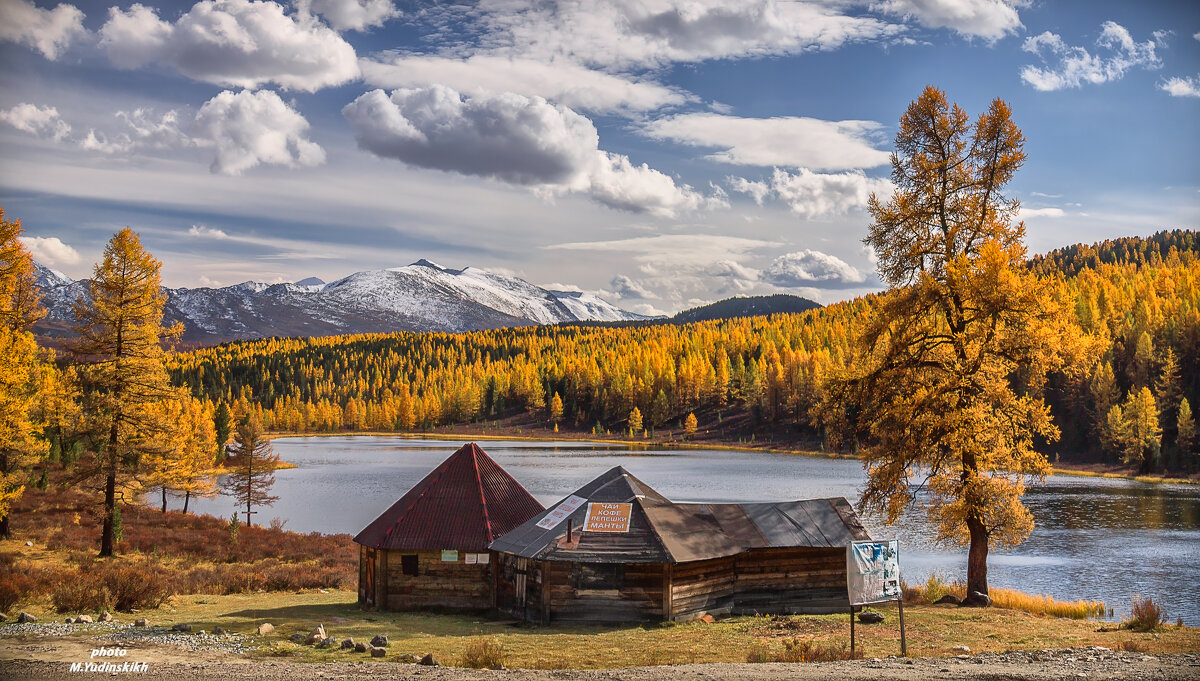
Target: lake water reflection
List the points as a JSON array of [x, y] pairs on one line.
[[1095, 538]]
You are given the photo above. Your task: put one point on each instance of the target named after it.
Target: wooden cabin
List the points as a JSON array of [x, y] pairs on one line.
[[429, 550], [618, 551]]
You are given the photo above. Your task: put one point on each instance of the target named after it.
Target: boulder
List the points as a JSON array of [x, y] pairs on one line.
[[408, 657], [141, 622], [976, 600], [182, 626], [202, 633], [380, 641], [961, 649], [317, 635], [265, 628], [329, 642], [870, 617], [297, 637], [378, 652], [106, 616], [949, 598], [218, 631], [348, 644], [25, 617], [360, 647], [429, 661], [83, 619], [69, 621]]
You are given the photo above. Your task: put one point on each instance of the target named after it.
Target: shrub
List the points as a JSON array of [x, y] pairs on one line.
[[483, 653], [136, 586], [81, 592], [1147, 615], [799, 650], [12, 586], [1132, 647]]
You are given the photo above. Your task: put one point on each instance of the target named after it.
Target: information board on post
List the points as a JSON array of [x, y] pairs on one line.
[[873, 571], [603, 517], [560, 512]]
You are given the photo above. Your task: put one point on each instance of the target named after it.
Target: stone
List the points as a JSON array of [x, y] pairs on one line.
[[29, 543], [297, 637], [348, 644], [265, 628], [707, 618], [83, 619], [870, 617], [961, 649], [948, 598], [360, 647], [69, 621], [106, 616], [317, 635], [218, 631], [378, 652], [329, 642], [202, 633], [976, 600], [429, 661], [25, 617], [141, 622], [380, 641], [182, 626], [408, 657]]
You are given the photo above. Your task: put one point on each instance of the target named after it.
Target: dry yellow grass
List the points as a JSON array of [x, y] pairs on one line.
[[1009, 599]]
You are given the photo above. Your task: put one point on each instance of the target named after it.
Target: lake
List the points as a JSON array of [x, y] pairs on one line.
[[1095, 538]]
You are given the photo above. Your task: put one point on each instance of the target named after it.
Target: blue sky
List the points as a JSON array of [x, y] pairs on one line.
[[660, 153]]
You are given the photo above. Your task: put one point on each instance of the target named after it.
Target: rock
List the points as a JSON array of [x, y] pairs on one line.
[[218, 631], [380, 641], [265, 628], [408, 657], [329, 642], [707, 618], [961, 649], [83, 619], [348, 644], [976, 600], [429, 661], [317, 635], [141, 622], [25, 617], [29, 543], [297, 637], [870, 617], [201, 633], [182, 626], [106, 616], [378, 652], [949, 598], [360, 647], [69, 621]]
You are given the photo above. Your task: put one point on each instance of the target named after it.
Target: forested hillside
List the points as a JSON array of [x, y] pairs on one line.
[[1137, 300]]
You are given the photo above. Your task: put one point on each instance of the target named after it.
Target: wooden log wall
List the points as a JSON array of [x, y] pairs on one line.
[[766, 581], [637, 597], [438, 585]]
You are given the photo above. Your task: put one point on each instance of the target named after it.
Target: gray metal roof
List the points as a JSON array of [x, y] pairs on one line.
[[661, 531]]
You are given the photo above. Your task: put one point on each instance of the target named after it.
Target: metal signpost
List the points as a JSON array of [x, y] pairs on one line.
[[873, 576]]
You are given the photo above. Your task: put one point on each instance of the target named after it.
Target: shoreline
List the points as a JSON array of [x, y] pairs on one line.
[[1077, 470]]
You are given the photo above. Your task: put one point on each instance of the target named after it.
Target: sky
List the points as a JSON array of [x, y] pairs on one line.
[[659, 153]]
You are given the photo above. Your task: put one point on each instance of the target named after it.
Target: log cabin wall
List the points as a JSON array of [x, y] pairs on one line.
[[787, 581], [702, 586], [437, 585], [598, 592]]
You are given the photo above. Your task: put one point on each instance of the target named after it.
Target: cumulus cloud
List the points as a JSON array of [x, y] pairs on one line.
[[625, 288], [49, 31], [786, 141], [351, 15], [238, 43], [51, 250], [515, 139], [812, 269], [814, 195], [247, 129], [659, 32], [560, 81], [42, 121], [1041, 213], [1070, 67], [1181, 87], [987, 19], [205, 232], [140, 129]]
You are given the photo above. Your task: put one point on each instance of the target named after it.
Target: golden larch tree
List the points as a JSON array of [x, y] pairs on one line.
[[252, 467], [122, 380], [946, 389], [187, 462]]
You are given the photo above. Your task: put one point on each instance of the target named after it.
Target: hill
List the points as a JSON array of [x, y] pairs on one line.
[[748, 306]]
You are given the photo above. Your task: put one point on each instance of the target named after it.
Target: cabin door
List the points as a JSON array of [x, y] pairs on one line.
[[369, 578]]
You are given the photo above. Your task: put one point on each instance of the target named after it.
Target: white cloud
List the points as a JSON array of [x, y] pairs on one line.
[[1046, 196], [658, 32], [1076, 66], [51, 250], [42, 121], [513, 138], [251, 128], [787, 141], [624, 288], [988, 19], [141, 130], [351, 15], [205, 232], [815, 195], [1181, 87], [560, 81], [1041, 213], [237, 43], [49, 31], [815, 269]]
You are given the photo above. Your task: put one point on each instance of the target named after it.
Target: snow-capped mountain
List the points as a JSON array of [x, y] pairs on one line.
[[422, 296]]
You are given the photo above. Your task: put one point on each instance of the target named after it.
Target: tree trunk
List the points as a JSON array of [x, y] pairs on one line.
[[164, 492], [187, 496], [5, 528], [110, 503], [977, 563]]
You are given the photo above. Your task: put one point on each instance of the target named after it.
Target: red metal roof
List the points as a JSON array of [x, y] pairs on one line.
[[464, 504]]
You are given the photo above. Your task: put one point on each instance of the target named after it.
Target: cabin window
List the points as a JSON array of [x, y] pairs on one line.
[[597, 576], [408, 565]]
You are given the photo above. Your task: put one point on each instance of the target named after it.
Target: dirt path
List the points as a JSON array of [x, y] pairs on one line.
[[50, 659]]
